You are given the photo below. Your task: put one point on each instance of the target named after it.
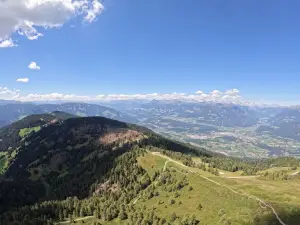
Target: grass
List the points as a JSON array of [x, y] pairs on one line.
[[219, 204], [282, 195], [3, 161], [278, 169], [151, 163], [25, 131], [5, 158]]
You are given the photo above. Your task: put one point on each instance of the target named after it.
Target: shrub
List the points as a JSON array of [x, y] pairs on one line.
[[172, 201]]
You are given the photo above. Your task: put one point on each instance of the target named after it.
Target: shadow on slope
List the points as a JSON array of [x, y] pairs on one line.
[[291, 217]]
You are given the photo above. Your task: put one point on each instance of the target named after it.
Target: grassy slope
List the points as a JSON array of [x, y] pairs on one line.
[[219, 204], [25, 131], [281, 194], [215, 199], [5, 158]]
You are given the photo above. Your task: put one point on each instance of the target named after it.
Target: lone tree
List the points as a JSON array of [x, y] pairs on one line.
[[173, 217], [199, 207]]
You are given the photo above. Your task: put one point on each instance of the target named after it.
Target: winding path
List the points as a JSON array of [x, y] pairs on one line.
[[296, 173], [79, 219], [262, 203]]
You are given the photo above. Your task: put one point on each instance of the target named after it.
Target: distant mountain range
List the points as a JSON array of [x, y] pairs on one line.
[[11, 111], [226, 128], [285, 124], [228, 115]]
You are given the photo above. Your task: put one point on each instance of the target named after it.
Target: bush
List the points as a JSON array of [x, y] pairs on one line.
[[199, 207], [173, 217], [172, 201], [176, 195]]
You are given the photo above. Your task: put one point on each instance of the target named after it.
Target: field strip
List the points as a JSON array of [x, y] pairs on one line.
[[261, 202]]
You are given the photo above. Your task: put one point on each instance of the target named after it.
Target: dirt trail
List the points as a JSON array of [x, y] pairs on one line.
[[79, 219], [296, 173], [262, 203], [165, 166], [164, 169], [241, 177]]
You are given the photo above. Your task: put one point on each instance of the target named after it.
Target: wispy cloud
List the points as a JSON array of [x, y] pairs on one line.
[[6, 93], [23, 80], [29, 18]]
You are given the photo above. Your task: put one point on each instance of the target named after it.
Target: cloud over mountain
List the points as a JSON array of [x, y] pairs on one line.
[[6, 93], [229, 96]]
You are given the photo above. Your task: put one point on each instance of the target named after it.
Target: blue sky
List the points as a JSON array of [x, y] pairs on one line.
[[142, 47]]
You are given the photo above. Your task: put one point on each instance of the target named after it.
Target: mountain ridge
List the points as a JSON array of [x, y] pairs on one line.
[[14, 111]]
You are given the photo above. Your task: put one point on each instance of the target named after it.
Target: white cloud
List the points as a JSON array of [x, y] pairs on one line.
[[33, 66], [6, 93], [95, 10], [214, 96], [216, 92], [30, 17], [23, 80], [54, 97], [232, 92], [199, 92], [8, 43]]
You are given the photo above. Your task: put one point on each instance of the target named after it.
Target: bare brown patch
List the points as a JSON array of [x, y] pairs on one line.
[[121, 136], [107, 186]]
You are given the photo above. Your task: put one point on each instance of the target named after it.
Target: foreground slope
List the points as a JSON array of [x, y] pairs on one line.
[[97, 170], [221, 200]]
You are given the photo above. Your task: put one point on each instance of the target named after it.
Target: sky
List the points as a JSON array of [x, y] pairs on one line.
[[224, 50]]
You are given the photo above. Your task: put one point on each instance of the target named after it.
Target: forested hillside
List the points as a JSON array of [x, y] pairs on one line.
[[12, 134]]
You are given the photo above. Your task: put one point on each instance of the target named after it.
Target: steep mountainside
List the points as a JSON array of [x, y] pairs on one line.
[[12, 112]]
